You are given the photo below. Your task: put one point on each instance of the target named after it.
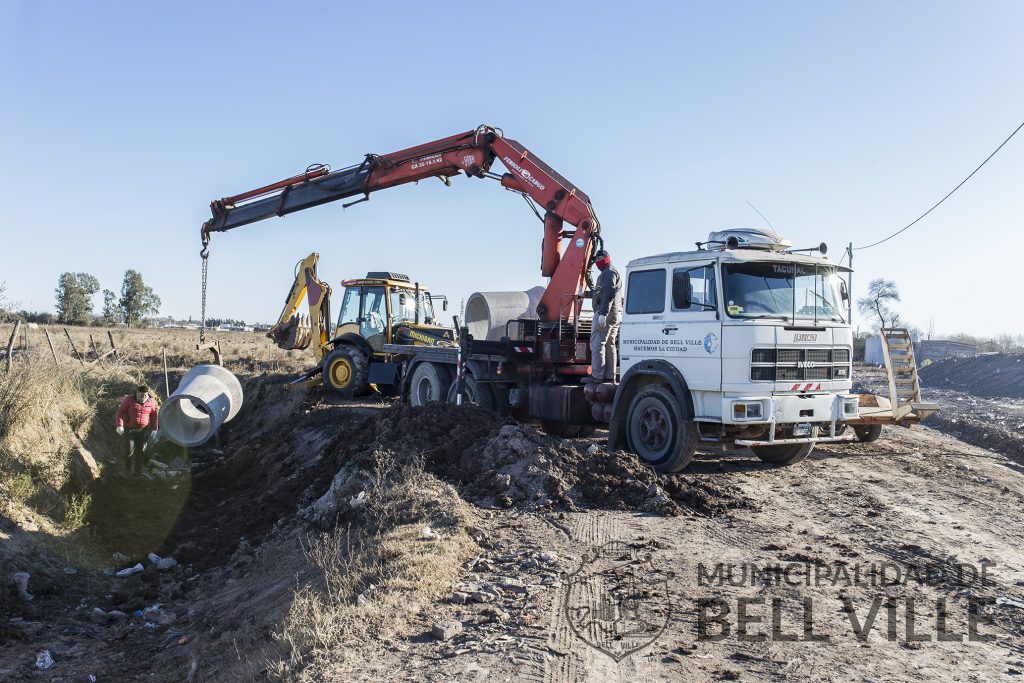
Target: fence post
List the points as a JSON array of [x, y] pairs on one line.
[[10, 344], [50, 342], [73, 347]]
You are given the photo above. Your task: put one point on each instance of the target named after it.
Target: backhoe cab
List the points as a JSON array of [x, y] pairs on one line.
[[382, 308]]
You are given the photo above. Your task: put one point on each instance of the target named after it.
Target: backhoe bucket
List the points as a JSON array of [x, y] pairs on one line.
[[297, 333]]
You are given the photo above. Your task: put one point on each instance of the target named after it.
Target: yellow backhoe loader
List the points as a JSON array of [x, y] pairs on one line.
[[382, 308]]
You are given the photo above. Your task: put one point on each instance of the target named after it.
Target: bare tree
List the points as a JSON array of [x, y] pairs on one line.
[[881, 293]]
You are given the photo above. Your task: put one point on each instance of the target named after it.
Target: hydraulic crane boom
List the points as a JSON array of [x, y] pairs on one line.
[[471, 153]]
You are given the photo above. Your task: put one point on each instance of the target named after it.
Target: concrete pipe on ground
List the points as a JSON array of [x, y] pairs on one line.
[[487, 313], [207, 397]]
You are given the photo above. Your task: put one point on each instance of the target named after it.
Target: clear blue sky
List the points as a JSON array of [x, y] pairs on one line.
[[840, 121]]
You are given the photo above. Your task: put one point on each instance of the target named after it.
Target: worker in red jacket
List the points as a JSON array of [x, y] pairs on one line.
[[137, 422]]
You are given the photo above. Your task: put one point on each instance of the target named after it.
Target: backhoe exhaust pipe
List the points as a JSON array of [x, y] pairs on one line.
[[207, 397]]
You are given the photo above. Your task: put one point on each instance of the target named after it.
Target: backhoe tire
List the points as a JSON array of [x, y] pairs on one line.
[[346, 372], [473, 392], [429, 382], [783, 454], [867, 433], [659, 431]]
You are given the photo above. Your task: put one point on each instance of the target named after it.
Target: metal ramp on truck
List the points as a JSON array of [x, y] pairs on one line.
[[904, 404]]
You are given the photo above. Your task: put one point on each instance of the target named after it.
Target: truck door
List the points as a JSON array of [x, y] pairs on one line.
[[373, 319], [671, 314]]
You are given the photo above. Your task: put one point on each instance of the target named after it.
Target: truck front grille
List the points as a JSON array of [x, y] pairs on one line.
[[793, 365]]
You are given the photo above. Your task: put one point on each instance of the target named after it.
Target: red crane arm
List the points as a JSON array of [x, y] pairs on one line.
[[471, 153]]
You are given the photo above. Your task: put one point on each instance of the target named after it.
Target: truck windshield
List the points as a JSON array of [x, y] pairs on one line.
[[781, 290]]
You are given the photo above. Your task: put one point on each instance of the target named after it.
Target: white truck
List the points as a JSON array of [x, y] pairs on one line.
[[741, 341]]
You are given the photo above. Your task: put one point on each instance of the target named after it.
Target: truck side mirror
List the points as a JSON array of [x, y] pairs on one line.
[[681, 289], [444, 304], [844, 293]]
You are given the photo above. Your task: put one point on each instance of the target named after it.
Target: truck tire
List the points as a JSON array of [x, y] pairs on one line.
[[474, 392], [867, 433], [346, 372], [429, 382], [783, 454], [658, 430]]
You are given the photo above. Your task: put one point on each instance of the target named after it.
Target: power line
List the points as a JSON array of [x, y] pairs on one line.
[[936, 205]]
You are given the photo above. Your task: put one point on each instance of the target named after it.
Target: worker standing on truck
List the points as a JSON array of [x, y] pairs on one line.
[[137, 422], [607, 316]]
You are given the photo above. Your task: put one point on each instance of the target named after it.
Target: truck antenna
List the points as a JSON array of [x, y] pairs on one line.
[[760, 214]]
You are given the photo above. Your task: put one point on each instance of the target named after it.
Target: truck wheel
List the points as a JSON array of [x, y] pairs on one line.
[[474, 392], [867, 433], [429, 382], [658, 432], [346, 372], [783, 454]]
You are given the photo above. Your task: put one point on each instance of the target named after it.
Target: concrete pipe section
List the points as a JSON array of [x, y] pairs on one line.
[[487, 313], [207, 397]]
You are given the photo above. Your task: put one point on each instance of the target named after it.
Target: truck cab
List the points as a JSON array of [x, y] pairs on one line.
[[742, 341]]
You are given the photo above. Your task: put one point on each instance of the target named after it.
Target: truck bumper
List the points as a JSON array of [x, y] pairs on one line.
[[817, 414]]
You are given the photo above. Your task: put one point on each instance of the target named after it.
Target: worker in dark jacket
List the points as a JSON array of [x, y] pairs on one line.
[[607, 316], [137, 422]]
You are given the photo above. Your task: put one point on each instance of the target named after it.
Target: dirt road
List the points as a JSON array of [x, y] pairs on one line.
[[913, 499]]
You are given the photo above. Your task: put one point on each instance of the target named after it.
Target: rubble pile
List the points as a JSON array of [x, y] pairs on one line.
[[500, 464]]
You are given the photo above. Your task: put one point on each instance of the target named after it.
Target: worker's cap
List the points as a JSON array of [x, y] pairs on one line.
[[601, 253]]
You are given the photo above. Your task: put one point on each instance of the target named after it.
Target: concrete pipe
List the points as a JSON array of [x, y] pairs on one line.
[[487, 313], [207, 397]]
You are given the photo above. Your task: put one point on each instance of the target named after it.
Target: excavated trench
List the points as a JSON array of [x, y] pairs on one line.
[[271, 462]]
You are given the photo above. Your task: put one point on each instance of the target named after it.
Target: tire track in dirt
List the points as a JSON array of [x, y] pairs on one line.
[[573, 660], [570, 659]]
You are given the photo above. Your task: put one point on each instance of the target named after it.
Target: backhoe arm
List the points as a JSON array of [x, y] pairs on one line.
[[471, 153], [296, 330]]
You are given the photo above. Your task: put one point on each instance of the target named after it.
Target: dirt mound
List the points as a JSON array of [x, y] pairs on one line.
[[500, 464], [997, 374]]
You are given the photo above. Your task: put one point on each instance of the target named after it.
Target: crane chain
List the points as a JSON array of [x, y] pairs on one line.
[[205, 254]]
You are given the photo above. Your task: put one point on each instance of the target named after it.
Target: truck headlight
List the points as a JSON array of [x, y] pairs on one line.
[[851, 407], [747, 410]]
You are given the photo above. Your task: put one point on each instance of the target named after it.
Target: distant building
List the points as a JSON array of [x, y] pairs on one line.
[[938, 349]]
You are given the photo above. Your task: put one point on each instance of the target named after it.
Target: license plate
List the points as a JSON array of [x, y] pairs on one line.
[[802, 429]]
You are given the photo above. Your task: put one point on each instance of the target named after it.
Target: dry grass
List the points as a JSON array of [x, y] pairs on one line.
[[383, 558], [45, 413]]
